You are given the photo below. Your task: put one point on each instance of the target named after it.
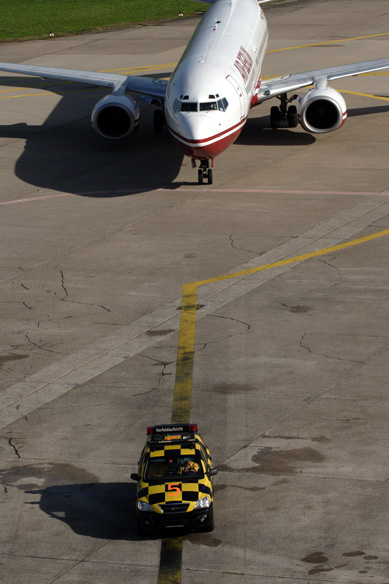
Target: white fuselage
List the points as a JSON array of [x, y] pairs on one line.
[[217, 79]]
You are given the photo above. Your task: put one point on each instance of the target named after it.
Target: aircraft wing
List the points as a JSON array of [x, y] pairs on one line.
[[278, 85], [142, 85]]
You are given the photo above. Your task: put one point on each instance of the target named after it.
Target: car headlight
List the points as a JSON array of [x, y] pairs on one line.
[[203, 503], [144, 506]]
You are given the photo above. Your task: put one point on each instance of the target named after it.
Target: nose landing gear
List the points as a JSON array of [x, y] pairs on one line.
[[204, 172]]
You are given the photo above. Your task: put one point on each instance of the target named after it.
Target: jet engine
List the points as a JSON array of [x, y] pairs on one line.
[[322, 110], [115, 117]]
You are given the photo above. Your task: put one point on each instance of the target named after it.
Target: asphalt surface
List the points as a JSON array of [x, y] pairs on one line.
[[105, 247]]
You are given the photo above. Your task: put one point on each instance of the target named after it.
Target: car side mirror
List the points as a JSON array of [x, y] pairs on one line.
[[212, 472], [134, 476]]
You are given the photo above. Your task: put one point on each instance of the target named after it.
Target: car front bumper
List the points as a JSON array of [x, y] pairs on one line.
[[190, 520]]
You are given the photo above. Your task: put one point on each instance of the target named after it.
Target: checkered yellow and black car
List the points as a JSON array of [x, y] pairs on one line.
[[174, 480]]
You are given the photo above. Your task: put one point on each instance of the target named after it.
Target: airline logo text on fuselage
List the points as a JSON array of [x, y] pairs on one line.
[[244, 64]]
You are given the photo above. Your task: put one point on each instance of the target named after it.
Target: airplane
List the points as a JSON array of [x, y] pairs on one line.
[[206, 102]]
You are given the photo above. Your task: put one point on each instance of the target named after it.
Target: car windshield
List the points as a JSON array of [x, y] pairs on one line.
[[184, 467]]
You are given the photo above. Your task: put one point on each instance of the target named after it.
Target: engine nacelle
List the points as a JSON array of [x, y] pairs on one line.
[[322, 110], [115, 117]]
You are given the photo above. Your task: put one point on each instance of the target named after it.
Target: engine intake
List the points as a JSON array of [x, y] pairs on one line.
[[322, 110], [115, 117]]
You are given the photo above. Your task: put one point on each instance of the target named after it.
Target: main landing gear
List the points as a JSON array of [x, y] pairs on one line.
[[159, 120], [204, 172], [285, 115]]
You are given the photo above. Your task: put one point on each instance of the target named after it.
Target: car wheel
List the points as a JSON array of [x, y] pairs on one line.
[[210, 524], [143, 529]]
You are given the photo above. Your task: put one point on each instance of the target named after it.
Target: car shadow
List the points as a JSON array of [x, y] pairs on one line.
[[98, 510], [64, 153]]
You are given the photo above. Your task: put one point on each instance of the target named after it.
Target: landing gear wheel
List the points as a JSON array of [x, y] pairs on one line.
[[275, 117], [159, 120], [204, 171], [292, 116]]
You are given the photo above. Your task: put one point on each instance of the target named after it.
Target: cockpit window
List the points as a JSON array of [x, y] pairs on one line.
[[205, 106], [188, 106], [222, 104], [208, 105]]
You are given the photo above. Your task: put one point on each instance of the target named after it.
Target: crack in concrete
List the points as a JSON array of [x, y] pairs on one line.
[[324, 355], [162, 375], [232, 242], [40, 347], [63, 285], [16, 451], [76, 301], [233, 319], [328, 263], [26, 305], [204, 345], [24, 416], [87, 304]]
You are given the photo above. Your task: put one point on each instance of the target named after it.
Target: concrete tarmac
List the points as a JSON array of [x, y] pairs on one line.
[[102, 248]]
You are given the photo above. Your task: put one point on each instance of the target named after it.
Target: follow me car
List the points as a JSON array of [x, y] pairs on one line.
[[174, 480]]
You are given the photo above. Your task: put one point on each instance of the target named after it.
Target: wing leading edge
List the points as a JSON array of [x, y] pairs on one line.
[[157, 87], [119, 83], [279, 85]]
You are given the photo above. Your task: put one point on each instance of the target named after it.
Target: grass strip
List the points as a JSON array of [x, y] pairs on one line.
[[32, 19]]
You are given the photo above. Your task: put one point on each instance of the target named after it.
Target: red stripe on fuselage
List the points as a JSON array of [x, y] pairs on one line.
[[201, 149]]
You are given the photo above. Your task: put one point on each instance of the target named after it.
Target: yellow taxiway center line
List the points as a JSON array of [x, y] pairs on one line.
[[382, 98], [186, 338], [171, 561], [100, 91], [185, 352], [141, 68], [170, 567], [27, 95], [370, 36]]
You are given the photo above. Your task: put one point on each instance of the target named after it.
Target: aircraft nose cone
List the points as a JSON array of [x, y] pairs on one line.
[[197, 134], [198, 127]]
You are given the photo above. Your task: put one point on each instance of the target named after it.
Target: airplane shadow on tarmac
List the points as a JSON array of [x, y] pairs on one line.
[[257, 131], [66, 155], [99, 510], [366, 111]]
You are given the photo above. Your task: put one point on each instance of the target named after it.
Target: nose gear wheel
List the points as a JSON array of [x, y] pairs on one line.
[[204, 172]]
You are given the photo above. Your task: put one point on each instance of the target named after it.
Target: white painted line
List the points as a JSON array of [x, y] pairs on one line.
[[23, 397]]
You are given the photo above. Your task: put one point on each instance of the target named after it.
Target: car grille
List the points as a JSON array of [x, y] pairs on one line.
[[174, 507]]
